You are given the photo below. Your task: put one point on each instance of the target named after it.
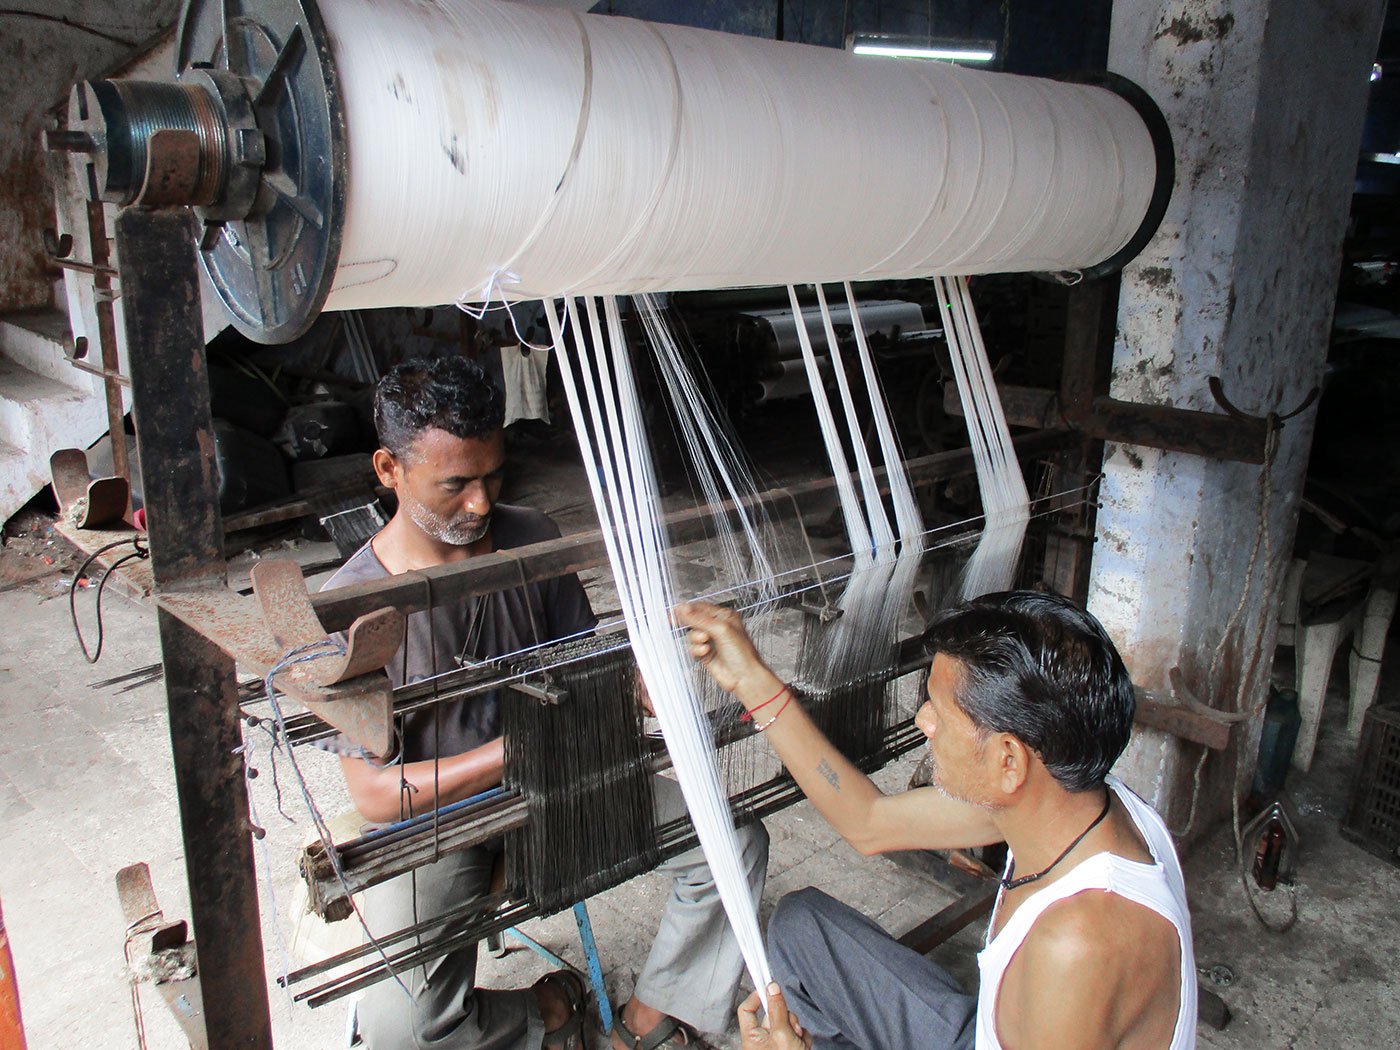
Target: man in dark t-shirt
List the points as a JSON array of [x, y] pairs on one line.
[[443, 452]]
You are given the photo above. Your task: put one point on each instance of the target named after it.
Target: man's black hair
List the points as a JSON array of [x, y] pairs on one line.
[[1042, 669], [445, 393]]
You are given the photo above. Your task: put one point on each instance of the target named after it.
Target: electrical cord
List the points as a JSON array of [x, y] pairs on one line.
[[138, 552]]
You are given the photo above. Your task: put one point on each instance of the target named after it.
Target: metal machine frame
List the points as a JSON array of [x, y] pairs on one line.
[[239, 166]]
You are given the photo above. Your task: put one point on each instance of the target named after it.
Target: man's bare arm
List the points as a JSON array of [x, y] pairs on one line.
[[388, 793], [869, 820]]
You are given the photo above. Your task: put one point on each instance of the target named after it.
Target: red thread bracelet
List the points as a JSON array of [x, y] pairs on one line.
[[761, 727], [747, 716]]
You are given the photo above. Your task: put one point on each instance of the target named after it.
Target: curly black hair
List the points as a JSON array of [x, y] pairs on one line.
[[1043, 669], [445, 393]]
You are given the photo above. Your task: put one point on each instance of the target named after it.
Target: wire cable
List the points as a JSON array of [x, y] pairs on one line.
[[138, 552]]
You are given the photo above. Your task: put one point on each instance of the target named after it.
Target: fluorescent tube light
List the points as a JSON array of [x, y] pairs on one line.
[[892, 46]]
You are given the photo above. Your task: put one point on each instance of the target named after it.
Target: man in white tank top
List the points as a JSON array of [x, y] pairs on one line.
[[1029, 706]]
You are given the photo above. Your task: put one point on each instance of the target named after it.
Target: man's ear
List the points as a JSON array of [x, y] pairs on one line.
[[1013, 759], [386, 468]]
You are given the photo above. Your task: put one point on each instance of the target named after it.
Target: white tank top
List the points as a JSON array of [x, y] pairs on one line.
[[1157, 886]]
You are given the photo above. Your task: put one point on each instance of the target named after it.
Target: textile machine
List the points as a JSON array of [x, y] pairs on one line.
[[295, 156]]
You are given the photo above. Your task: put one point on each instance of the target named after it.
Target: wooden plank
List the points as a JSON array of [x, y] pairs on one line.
[[1188, 723], [964, 911]]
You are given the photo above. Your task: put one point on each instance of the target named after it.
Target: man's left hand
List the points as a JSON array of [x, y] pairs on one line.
[[780, 1031]]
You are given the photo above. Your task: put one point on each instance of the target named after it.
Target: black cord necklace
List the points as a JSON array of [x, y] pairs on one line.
[[1010, 883]]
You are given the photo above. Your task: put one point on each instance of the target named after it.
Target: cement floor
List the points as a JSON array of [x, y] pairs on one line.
[[86, 787]]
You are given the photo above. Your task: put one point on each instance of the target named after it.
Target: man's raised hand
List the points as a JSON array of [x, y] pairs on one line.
[[720, 644]]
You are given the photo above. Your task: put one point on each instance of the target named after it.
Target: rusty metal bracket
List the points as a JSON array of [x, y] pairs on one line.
[[281, 595], [89, 503], [168, 956], [58, 246]]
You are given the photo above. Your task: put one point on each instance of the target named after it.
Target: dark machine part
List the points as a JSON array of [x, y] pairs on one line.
[[170, 392], [251, 134]]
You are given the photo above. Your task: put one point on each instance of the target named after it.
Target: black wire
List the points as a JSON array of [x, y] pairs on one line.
[[138, 552]]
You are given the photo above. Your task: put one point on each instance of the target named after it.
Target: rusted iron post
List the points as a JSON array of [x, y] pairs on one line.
[[175, 442], [100, 254], [1084, 351]]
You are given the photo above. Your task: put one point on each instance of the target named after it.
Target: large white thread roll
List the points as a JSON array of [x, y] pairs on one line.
[[505, 149]]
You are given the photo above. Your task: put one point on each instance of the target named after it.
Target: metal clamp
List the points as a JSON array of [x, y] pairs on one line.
[[541, 687]]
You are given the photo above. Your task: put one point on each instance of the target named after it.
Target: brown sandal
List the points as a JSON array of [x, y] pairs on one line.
[[569, 1035], [658, 1036]]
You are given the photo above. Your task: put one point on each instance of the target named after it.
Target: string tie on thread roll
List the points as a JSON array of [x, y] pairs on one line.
[[491, 291]]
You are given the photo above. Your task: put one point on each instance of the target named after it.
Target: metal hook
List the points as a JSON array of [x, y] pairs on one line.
[[1274, 419], [59, 247]]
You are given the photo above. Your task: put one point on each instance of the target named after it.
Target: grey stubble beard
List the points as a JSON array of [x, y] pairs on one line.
[[444, 531]]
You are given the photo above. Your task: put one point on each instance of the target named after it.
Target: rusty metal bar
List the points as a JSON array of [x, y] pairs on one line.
[[1187, 430], [175, 440], [101, 254], [586, 550], [82, 267], [1211, 434], [111, 377]]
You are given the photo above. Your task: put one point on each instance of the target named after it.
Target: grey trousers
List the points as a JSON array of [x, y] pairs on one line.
[[694, 967], [853, 985], [691, 973], [444, 1011]]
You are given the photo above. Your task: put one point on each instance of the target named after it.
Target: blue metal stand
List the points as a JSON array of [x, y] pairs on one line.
[[590, 955]]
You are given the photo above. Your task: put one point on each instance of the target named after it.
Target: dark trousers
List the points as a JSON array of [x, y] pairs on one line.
[[853, 985]]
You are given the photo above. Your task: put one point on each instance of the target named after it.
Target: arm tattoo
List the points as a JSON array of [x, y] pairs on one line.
[[829, 775]]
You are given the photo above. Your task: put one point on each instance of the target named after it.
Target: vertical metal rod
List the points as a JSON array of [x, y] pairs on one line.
[[1083, 339], [100, 253], [175, 442]]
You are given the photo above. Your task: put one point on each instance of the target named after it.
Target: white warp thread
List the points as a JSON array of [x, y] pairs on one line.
[[587, 154], [878, 591], [1005, 501], [612, 435]]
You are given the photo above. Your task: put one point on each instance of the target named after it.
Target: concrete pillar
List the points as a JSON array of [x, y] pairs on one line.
[[1265, 99]]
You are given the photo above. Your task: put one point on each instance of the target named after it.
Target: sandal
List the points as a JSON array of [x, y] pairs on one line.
[[570, 1034], [661, 1035]]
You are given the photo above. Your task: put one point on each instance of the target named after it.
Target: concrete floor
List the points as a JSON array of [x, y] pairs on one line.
[[86, 787]]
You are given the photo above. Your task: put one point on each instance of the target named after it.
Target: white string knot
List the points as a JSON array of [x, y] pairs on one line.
[[491, 291]]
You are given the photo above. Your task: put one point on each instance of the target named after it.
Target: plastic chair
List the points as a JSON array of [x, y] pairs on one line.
[[1325, 601]]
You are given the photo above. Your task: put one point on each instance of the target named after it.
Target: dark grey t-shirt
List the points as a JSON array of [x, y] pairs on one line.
[[478, 628]]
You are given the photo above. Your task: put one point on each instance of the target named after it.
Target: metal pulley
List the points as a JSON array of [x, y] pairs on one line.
[[251, 136]]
